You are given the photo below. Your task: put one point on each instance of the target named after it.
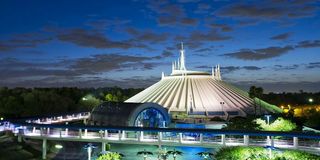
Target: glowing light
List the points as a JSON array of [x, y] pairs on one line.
[[58, 146], [310, 100]]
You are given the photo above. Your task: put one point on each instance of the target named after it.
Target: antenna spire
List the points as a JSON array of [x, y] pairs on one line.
[[182, 59]]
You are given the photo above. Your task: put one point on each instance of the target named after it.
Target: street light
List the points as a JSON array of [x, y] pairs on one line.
[[310, 100], [89, 147], [58, 146], [84, 98]]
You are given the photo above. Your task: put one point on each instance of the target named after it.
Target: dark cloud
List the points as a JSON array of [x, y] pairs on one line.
[[204, 50], [282, 36], [313, 65], [229, 69], [167, 20], [259, 54], [267, 10], [290, 67], [270, 52], [28, 40], [222, 27], [87, 38], [189, 21], [308, 44], [102, 24], [166, 53], [212, 35], [108, 62], [252, 68]]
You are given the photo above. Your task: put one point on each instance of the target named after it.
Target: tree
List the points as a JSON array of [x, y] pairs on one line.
[[111, 156], [89, 102], [175, 153], [256, 92], [205, 155], [280, 124], [144, 153], [109, 97]]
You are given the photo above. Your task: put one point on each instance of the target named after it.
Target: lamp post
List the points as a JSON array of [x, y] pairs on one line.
[[59, 146], [89, 147]]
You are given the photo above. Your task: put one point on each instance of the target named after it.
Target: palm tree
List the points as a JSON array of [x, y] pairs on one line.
[[111, 156], [205, 155], [175, 153], [163, 154], [145, 153], [253, 94]]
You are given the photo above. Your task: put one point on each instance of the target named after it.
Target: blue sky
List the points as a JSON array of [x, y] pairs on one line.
[[274, 44]]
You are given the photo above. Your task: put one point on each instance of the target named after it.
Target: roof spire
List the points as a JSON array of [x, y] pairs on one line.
[[182, 59]]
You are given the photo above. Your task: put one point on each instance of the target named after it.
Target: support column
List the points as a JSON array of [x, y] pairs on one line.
[[60, 132], [140, 136], [201, 138], [41, 130], [119, 135], [85, 132], [106, 134], [160, 139], [159, 136], [246, 140], [103, 147], [66, 131], [295, 142], [44, 149], [80, 133], [19, 138], [180, 137], [271, 141], [48, 131], [123, 135], [34, 130], [223, 139]]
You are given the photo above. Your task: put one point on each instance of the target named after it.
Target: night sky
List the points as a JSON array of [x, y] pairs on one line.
[[273, 44]]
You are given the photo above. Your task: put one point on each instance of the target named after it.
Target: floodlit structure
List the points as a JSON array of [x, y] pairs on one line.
[[199, 93]]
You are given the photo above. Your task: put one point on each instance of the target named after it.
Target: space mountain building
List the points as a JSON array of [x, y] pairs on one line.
[[198, 93]]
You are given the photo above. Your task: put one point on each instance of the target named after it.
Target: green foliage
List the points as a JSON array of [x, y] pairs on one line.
[[110, 156], [89, 102], [241, 123], [21, 102], [280, 124], [259, 153]]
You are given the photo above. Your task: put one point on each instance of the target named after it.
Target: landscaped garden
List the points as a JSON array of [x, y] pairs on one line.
[[262, 153]]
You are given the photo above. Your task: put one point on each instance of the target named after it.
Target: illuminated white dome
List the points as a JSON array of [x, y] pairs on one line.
[[198, 93]]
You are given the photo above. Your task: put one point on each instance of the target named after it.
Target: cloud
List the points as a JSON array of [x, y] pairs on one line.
[[267, 10], [189, 21], [282, 36], [270, 52], [259, 54], [212, 35], [308, 44], [313, 65], [108, 62], [27, 40], [166, 53], [204, 50], [229, 69], [290, 67], [87, 38], [222, 27]]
